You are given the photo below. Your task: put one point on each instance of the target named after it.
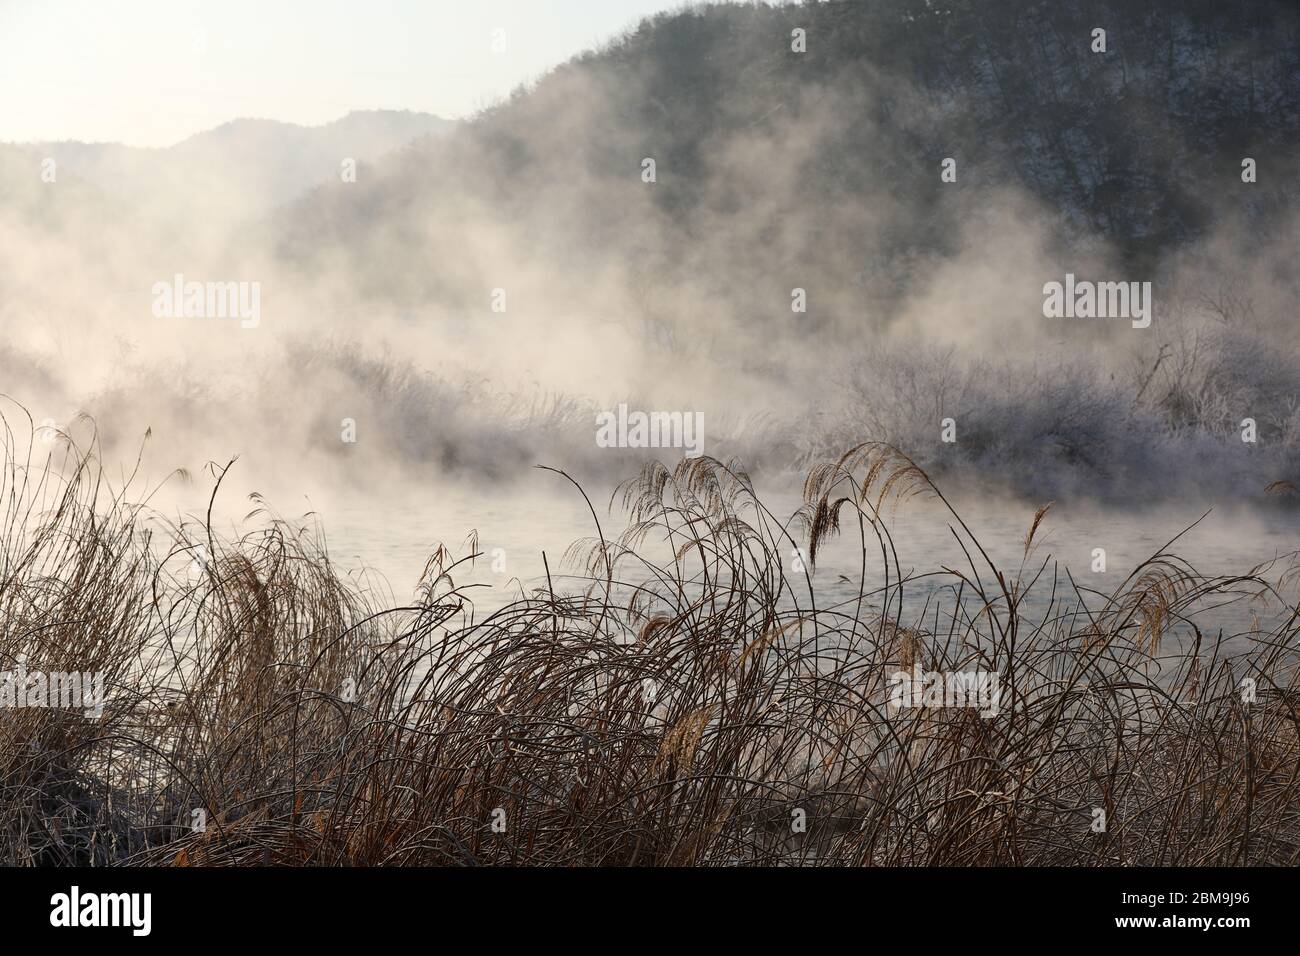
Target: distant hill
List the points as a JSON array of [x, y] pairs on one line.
[[240, 169]]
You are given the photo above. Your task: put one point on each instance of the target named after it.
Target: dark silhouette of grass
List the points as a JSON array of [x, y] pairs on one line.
[[693, 711]]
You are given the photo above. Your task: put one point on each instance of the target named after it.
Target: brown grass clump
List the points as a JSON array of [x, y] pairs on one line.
[[706, 709]]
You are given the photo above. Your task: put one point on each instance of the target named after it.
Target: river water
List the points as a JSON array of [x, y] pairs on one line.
[[395, 535]]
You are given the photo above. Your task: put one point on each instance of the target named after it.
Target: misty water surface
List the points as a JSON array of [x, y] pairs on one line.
[[395, 537]]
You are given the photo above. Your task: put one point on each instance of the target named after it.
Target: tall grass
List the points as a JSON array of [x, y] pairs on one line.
[[628, 711]]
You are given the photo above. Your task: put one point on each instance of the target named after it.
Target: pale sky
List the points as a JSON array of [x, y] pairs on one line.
[[152, 72]]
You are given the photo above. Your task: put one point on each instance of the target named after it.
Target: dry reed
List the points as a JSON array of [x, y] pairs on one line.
[[702, 710]]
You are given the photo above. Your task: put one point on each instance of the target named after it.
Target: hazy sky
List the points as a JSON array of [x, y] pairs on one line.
[[151, 72]]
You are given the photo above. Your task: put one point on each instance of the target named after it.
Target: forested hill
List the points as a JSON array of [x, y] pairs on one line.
[[777, 168]]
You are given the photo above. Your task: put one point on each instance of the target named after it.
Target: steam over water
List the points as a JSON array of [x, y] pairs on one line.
[[389, 320]]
